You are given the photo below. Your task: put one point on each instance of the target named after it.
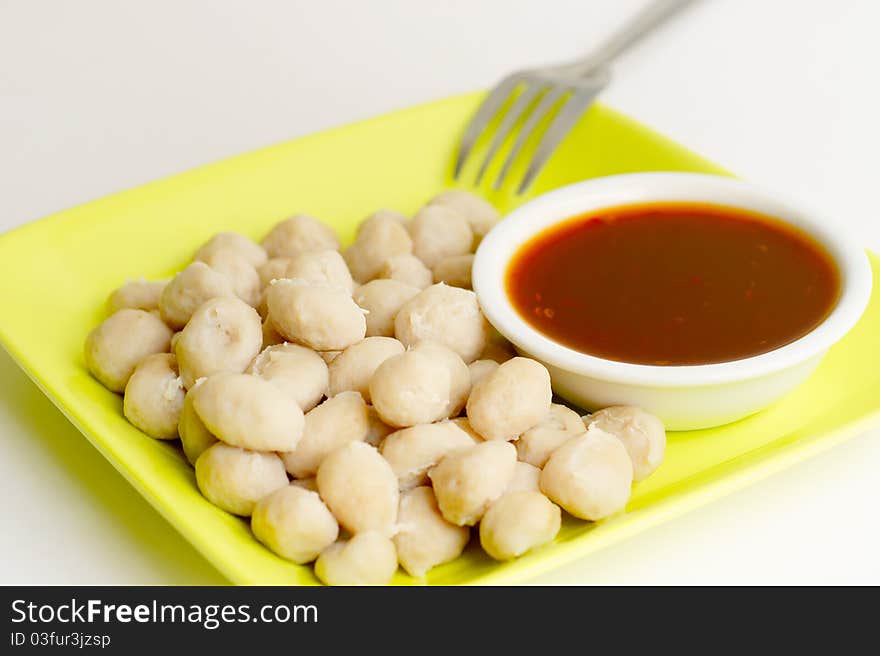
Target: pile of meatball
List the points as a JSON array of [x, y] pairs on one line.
[[356, 404]]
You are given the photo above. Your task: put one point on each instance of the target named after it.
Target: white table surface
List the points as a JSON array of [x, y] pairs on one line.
[[98, 96]]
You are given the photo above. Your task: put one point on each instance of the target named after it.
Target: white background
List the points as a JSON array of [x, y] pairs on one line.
[[98, 96]]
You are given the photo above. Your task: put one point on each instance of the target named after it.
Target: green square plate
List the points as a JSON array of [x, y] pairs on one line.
[[66, 265]]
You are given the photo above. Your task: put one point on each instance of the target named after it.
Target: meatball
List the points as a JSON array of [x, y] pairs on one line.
[[322, 318], [411, 452], [366, 559], [455, 270], [380, 237], [555, 429], [336, 422], [465, 425], [589, 476], [479, 214], [479, 369], [411, 388], [510, 400], [274, 269], [194, 435], [642, 434], [249, 412], [235, 479], [354, 367], [382, 300], [459, 374], [444, 314], [190, 288], [120, 342], [360, 488], [326, 268], [137, 294], [518, 522], [232, 242], [467, 481], [438, 232], [378, 429], [223, 335], [297, 371], [298, 234], [154, 396], [425, 539], [242, 275], [525, 477], [294, 523], [408, 269]]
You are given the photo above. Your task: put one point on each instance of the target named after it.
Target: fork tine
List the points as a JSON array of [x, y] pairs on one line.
[[547, 101], [555, 133], [512, 115], [486, 111]]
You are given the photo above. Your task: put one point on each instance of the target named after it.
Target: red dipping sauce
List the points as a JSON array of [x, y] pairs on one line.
[[673, 283]]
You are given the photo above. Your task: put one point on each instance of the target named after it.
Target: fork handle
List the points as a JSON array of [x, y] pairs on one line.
[[627, 35]]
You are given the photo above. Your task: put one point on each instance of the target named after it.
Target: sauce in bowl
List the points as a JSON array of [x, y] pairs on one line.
[[673, 283]]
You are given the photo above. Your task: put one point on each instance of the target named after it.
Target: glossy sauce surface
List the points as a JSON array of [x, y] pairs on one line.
[[673, 283]]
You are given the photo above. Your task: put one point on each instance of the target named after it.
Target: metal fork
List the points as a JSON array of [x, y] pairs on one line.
[[573, 86]]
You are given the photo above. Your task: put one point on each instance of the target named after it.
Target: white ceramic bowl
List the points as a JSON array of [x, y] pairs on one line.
[[684, 397]]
